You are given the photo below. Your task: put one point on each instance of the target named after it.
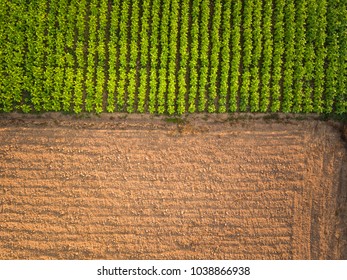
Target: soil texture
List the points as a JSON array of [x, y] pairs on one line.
[[145, 187]]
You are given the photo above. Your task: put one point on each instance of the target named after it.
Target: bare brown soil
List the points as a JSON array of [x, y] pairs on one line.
[[140, 187]]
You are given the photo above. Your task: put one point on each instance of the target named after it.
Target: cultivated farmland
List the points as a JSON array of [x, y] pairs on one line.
[[139, 166], [145, 188], [173, 56]]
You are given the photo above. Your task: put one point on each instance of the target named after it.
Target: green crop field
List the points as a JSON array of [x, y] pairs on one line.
[[173, 56]]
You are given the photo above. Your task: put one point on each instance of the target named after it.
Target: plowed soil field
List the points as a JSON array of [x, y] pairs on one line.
[[142, 187]]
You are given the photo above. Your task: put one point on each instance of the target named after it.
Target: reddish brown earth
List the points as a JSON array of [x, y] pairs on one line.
[[140, 187]]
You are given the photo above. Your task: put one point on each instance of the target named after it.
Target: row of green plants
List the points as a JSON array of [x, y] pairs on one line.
[[333, 53], [173, 56], [247, 55], [59, 53], [144, 49], [124, 17], [267, 56], [35, 81], [69, 57], [214, 57], [309, 55], [80, 60], [133, 47], [236, 54], [112, 57], [341, 103], [154, 56], [321, 53], [171, 89], [300, 44], [183, 58], [204, 54], [257, 37], [277, 58], [164, 45], [101, 57], [194, 56], [225, 58], [289, 51]]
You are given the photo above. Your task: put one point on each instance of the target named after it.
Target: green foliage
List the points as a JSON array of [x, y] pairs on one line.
[[289, 40], [101, 57], [247, 55], [38, 96], [341, 98], [173, 56], [79, 88], [184, 55], [171, 91], [123, 54], [278, 51], [69, 58], [50, 100], [235, 54], [194, 50], [336, 95], [321, 52], [215, 50], [112, 60], [310, 55], [92, 49], [143, 55], [154, 53], [164, 42], [299, 70], [256, 55], [132, 74], [267, 56], [225, 57], [204, 54], [60, 100]]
